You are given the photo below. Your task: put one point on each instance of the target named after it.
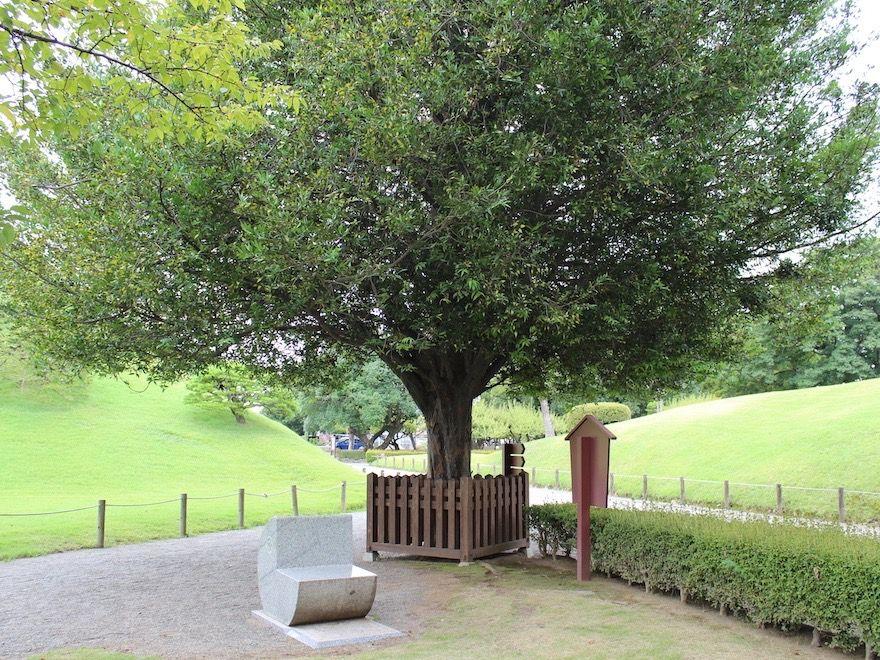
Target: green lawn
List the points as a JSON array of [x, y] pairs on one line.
[[516, 608], [823, 437], [106, 440]]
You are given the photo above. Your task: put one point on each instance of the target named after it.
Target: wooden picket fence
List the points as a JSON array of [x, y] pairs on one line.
[[460, 519]]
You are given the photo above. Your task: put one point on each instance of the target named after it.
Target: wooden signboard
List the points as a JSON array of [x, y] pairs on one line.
[[590, 452]]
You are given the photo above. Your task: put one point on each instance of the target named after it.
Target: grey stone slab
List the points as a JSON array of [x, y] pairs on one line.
[[334, 633]]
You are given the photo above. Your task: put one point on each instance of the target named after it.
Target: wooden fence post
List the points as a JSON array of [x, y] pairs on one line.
[[182, 515], [681, 490], [424, 465], [293, 500], [394, 462], [479, 468], [779, 499], [644, 486], [611, 490], [557, 477], [534, 471], [343, 497], [102, 510], [841, 505], [466, 488], [726, 494], [241, 508]]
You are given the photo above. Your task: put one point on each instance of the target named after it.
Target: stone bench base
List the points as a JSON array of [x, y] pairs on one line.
[[295, 596]]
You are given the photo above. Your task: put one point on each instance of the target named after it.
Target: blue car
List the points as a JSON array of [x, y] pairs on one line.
[[350, 444]]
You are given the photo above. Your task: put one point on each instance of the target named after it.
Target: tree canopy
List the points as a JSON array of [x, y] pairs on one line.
[[473, 193]]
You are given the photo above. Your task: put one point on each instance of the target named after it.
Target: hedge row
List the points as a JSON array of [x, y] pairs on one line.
[[374, 455], [351, 454], [771, 574]]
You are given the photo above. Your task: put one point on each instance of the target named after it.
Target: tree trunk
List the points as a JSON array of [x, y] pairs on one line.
[[448, 422], [548, 420], [443, 386], [241, 419]]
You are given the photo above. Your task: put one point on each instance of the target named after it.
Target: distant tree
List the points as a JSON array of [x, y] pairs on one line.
[[474, 192], [236, 388], [823, 327], [371, 402]]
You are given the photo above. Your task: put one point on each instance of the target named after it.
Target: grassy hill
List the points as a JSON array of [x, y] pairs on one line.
[[822, 437], [68, 447]]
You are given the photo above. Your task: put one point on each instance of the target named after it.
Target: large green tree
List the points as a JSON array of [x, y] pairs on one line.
[[474, 192]]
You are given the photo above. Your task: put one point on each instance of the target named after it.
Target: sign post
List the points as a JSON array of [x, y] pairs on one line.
[[590, 453]]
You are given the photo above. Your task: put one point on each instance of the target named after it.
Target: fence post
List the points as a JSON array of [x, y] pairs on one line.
[[466, 487], [726, 494], [611, 484], [182, 515], [534, 472], [479, 468], [557, 477], [343, 497], [681, 489], [293, 501], [102, 509], [779, 499], [241, 508], [841, 504], [394, 462], [424, 465], [644, 486]]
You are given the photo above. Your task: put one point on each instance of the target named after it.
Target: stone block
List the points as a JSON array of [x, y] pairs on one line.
[[306, 574]]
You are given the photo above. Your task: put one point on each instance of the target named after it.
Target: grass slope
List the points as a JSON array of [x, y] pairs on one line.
[[822, 437], [106, 440]]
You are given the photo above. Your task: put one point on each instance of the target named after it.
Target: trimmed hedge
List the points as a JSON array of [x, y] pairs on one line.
[[351, 454], [374, 455], [771, 574], [606, 411]]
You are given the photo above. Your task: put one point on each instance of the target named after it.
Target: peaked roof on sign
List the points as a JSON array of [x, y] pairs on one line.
[[591, 426]]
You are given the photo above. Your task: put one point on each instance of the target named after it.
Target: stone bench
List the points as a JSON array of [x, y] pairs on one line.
[[306, 571]]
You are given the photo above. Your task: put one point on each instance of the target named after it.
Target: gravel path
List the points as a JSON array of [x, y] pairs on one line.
[[176, 598]]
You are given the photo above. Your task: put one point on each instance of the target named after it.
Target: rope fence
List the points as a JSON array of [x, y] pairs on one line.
[[102, 506], [833, 502]]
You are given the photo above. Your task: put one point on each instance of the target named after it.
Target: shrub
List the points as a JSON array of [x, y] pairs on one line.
[[553, 528], [374, 455], [351, 454], [606, 411], [771, 574]]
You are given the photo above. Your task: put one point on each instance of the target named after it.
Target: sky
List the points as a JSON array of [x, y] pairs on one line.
[[868, 32]]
